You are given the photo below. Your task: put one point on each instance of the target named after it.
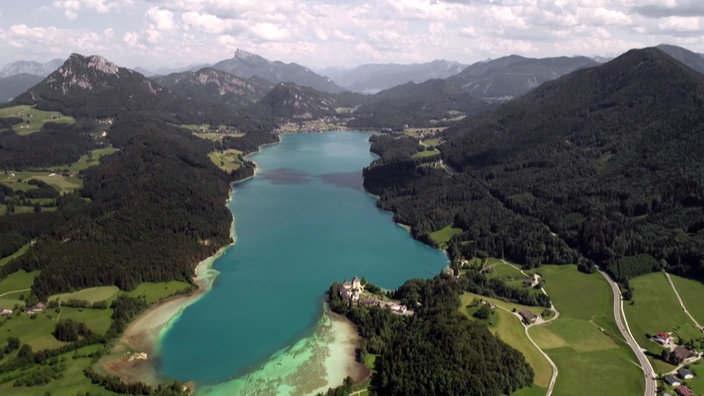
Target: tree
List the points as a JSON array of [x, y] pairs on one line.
[[484, 312]]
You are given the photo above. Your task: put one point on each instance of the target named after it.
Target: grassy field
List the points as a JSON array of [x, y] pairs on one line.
[[425, 154], [17, 281], [656, 308], [92, 294], [90, 159], [36, 331], [691, 292], [62, 184], [154, 292], [442, 236], [431, 142], [511, 331], [32, 119], [584, 342], [227, 160]]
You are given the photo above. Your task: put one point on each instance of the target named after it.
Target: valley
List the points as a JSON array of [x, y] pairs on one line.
[[533, 176]]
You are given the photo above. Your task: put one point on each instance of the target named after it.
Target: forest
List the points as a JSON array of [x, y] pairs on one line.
[[436, 351], [602, 166]]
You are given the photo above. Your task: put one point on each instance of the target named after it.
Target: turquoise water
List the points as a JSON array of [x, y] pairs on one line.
[[303, 222]]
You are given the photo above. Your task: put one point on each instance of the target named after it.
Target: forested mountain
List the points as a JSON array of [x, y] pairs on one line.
[[689, 58], [431, 103], [30, 67], [146, 213], [14, 85], [372, 78], [93, 87], [246, 65], [512, 76], [605, 162], [290, 101], [216, 86]]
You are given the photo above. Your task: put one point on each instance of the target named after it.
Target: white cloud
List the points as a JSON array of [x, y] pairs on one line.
[[269, 31], [162, 20], [209, 23], [132, 40], [681, 24]]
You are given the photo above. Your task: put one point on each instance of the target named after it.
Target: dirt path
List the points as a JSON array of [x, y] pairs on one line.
[[684, 308], [15, 291]]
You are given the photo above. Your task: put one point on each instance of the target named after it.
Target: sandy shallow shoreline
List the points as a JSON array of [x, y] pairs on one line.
[[132, 358]]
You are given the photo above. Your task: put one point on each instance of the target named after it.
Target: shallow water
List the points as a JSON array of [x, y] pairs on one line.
[[302, 223]]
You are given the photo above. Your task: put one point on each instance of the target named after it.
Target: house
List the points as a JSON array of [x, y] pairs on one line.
[[673, 381], [685, 391], [682, 353], [5, 312], [685, 374], [662, 337], [528, 316]]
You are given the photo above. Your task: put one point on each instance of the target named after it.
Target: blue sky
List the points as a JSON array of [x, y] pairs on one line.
[[320, 33]]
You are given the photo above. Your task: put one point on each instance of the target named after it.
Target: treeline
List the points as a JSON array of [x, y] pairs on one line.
[[115, 384], [437, 350]]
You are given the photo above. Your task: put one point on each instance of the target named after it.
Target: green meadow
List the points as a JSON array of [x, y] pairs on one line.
[[655, 308], [691, 292], [584, 342], [32, 119], [227, 160], [442, 236]]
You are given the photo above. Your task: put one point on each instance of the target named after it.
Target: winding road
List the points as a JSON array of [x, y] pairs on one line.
[[622, 323]]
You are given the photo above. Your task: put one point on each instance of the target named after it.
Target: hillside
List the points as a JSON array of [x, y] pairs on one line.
[[603, 162], [428, 104], [14, 85], [214, 86], [512, 76], [245, 65]]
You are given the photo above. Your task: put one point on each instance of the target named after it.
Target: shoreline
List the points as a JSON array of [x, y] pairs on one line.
[[132, 357]]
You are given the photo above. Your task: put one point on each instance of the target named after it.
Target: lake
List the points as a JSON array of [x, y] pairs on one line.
[[303, 222]]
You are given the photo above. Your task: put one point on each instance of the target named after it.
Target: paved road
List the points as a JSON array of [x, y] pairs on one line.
[[682, 303], [622, 323]]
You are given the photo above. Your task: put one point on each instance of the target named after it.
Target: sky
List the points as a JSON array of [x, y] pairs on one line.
[[321, 33]]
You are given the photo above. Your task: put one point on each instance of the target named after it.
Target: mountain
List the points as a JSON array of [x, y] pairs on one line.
[[512, 76], [600, 166], [216, 86], [290, 101], [430, 103], [372, 78], [95, 87], [14, 85], [689, 58], [246, 65], [30, 67]]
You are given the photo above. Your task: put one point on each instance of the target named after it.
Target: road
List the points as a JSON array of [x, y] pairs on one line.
[[622, 323]]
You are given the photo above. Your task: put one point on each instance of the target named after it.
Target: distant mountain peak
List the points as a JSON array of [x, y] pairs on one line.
[[246, 65], [245, 55]]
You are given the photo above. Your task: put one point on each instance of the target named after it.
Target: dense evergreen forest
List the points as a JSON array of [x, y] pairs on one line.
[[601, 166], [436, 351]]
